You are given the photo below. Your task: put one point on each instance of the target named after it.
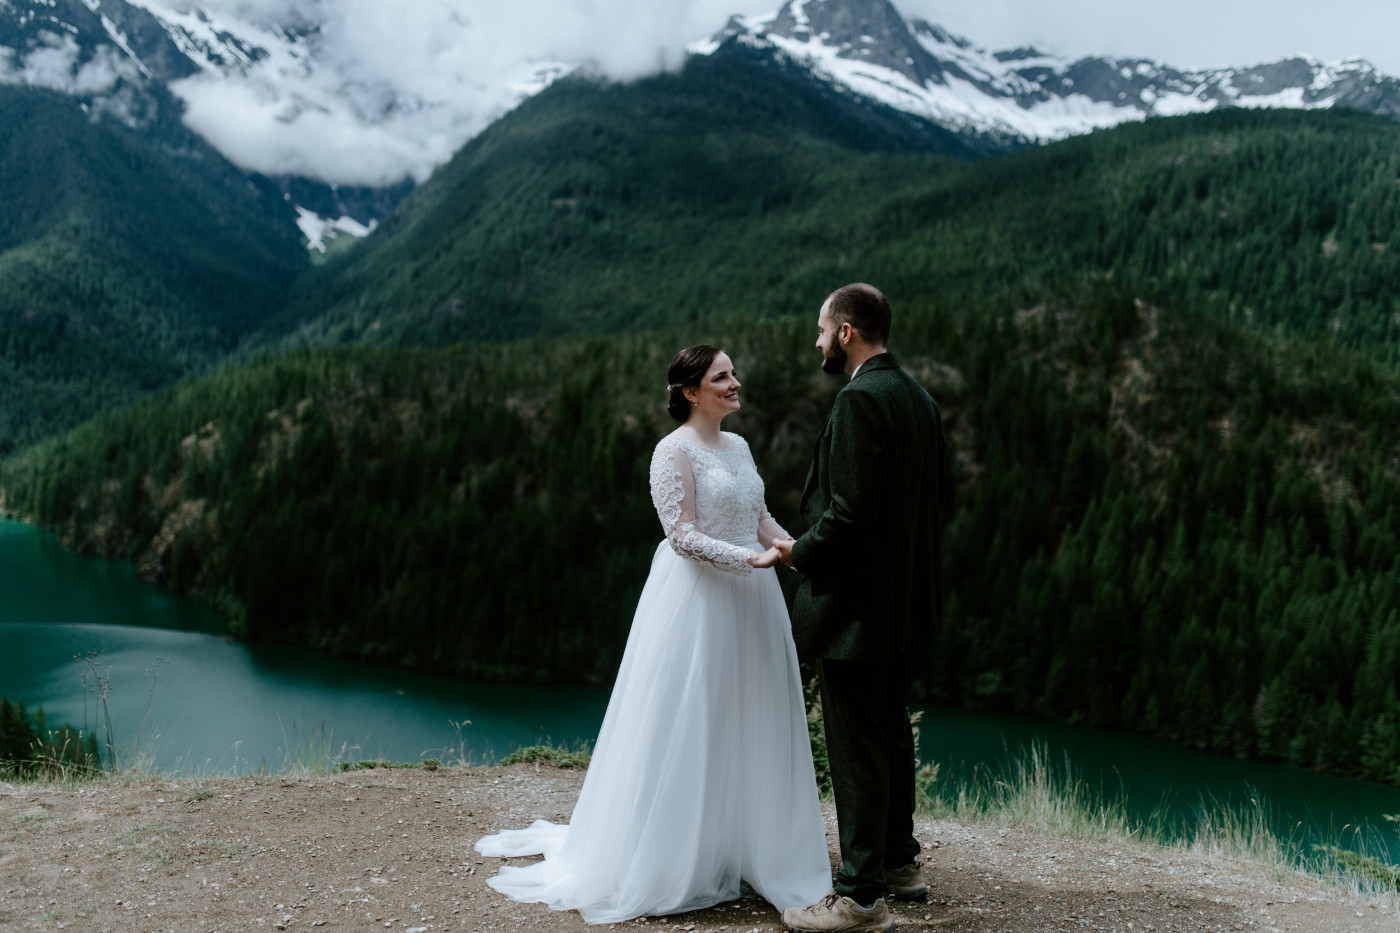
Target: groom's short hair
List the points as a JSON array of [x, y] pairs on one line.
[[864, 308]]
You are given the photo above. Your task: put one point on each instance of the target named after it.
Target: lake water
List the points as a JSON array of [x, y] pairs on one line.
[[220, 706]]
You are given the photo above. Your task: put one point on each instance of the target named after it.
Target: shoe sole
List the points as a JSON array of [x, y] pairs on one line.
[[910, 894]]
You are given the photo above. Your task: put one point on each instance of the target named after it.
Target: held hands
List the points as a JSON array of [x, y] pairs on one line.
[[780, 552], [767, 559]]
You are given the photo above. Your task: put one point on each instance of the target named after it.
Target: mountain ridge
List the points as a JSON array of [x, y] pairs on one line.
[[1024, 96], [111, 55], [597, 207], [564, 215], [124, 62]]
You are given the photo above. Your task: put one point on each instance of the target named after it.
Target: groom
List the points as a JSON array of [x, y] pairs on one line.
[[876, 496]]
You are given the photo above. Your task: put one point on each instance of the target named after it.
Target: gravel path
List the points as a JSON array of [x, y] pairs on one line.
[[392, 850]]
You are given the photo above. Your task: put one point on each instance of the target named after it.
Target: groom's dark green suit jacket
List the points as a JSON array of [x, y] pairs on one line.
[[876, 497]]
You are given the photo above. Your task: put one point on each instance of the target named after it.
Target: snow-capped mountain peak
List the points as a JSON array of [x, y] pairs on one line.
[[234, 45], [867, 49], [346, 103]]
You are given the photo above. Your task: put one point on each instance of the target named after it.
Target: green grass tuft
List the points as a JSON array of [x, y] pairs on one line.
[[577, 756]]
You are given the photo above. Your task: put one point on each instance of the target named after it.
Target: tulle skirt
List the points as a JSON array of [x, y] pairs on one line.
[[702, 774]]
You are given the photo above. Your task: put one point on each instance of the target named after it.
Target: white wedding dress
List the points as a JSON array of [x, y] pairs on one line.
[[702, 774]]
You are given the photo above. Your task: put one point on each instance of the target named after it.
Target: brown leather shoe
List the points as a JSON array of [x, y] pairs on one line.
[[905, 883], [837, 914]]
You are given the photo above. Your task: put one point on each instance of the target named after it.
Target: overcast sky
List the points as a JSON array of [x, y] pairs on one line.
[[398, 87]]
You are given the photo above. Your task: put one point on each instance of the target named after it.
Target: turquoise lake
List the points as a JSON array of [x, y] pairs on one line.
[[210, 705]]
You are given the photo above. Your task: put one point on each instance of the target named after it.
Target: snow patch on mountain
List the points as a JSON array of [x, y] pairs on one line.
[[318, 230], [118, 37], [957, 102]]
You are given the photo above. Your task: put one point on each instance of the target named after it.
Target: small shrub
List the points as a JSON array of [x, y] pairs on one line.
[[576, 757]]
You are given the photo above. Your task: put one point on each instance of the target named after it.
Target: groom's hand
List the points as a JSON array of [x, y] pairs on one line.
[[784, 549]]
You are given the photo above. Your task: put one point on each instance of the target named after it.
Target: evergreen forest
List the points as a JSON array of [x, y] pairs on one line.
[[122, 266], [1163, 524]]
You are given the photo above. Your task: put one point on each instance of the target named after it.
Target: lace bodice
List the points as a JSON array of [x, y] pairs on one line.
[[710, 502]]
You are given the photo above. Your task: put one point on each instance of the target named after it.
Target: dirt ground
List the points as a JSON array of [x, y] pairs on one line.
[[392, 849]]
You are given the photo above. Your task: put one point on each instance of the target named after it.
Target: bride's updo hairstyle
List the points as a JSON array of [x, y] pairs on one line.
[[687, 369]]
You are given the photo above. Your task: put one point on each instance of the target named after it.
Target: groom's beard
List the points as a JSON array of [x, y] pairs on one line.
[[834, 360]]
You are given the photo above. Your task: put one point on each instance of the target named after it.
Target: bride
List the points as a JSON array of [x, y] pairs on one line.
[[701, 779]]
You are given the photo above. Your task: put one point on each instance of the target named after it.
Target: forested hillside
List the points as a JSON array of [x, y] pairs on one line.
[[122, 266], [1163, 524], [598, 207], [691, 198]]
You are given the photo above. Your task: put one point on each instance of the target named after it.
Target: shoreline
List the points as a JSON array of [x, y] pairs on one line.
[[392, 849]]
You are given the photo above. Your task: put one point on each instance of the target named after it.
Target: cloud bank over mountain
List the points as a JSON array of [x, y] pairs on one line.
[[362, 92], [377, 91], [57, 63]]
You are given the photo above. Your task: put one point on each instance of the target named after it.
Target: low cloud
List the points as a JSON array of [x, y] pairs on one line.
[[395, 89], [56, 63]]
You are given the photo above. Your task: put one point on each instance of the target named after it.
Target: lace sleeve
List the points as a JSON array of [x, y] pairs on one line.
[[673, 494], [768, 528]]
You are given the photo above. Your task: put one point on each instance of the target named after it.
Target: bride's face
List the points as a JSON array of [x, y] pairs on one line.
[[718, 392]]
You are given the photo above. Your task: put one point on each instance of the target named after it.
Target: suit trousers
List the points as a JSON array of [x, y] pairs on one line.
[[870, 745]]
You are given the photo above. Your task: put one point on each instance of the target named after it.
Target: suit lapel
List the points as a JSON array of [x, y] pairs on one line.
[[810, 486]]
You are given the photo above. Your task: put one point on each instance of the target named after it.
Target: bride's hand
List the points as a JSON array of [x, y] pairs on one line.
[[767, 559]]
